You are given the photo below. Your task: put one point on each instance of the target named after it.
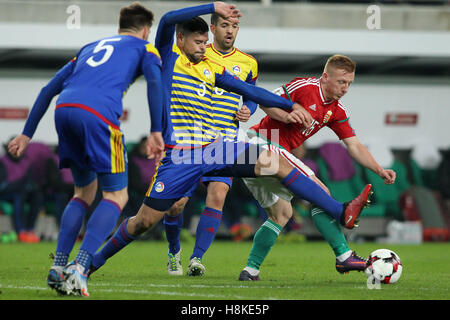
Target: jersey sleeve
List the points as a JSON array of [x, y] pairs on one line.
[[251, 78], [260, 95], [152, 55], [249, 103], [341, 123], [151, 68], [47, 93], [254, 71]]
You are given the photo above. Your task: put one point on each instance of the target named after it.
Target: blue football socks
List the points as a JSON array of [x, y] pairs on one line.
[[118, 241], [99, 227], [173, 226], [71, 223], [206, 231], [307, 189]]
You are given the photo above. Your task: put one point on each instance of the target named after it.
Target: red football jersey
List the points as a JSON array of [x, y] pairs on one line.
[[308, 93]]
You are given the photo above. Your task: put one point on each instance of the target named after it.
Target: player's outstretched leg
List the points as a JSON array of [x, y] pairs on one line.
[[128, 231], [271, 164]]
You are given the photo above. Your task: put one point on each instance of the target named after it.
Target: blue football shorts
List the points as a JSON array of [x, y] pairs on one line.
[[92, 148], [180, 171]]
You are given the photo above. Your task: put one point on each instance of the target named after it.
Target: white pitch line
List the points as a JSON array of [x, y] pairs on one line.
[[144, 292], [196, 286]]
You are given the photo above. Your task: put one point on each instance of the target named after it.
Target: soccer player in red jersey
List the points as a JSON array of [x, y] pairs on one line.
[[320, 97]]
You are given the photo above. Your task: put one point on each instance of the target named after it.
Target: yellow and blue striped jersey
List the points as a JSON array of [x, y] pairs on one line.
[[188, 114], [225, 104], [191, 86]]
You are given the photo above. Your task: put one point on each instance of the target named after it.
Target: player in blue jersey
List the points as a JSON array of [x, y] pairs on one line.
[[90, 141], [227, 114], [194, 149]]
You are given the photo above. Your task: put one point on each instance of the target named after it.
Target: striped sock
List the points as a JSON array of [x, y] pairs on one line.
[[305, 188], [118, 241]]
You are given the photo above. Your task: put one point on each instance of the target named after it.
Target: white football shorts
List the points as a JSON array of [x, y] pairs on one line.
[[267, 190]]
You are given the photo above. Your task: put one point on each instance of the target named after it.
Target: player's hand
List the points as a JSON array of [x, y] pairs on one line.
[[243, 114], [388, 176], [17, 146], [155, 146], [300, 115], [227, 11]]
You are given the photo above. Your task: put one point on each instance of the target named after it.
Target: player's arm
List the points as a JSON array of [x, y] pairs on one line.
[[298, 115], [166, 28], [251, 105], [248, 106], [278, 114], [260, 95], [151, 69], [18, 145], [360, 153]]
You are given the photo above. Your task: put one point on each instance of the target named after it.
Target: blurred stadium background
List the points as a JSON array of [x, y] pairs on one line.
[[399, 103]]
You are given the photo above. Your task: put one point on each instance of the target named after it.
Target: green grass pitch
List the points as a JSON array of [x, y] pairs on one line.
[[299, 271]]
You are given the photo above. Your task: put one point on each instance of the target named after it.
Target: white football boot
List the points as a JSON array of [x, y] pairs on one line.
[[76, 280], [174, 267], [196, 268]]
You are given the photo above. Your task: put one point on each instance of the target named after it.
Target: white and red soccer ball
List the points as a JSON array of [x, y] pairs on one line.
[[384, 265]]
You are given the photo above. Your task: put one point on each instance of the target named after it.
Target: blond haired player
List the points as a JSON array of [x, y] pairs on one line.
[[321, 97]]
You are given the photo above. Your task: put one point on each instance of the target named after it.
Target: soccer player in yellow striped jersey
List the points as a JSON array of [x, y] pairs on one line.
[[242, 65], [227, 114]]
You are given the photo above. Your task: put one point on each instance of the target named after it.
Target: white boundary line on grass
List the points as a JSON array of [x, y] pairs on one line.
[[108, 284], [144, 292]]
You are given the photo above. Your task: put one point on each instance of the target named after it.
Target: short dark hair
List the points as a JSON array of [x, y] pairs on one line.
[[134, 17], [194, 25], [215, 18]]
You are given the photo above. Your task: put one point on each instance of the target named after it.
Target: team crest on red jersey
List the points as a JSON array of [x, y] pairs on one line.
[[327, 116]]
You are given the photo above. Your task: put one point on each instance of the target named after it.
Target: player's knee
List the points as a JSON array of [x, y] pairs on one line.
[[146, 219], [272, 164], [86, 193], [280, 212], [120, 197], [216, 196]]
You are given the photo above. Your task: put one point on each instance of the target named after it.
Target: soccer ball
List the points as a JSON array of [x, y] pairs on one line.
[[384, 265]]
